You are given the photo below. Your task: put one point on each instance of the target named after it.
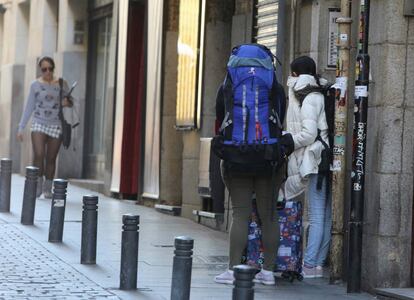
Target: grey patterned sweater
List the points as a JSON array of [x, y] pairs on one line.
[[43, 103]]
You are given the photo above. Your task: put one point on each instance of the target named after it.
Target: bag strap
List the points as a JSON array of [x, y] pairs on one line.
[[60, 98], [302, 93], [320, 139]]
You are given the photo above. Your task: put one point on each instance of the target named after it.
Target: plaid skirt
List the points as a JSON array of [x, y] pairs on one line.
[[53, 131]]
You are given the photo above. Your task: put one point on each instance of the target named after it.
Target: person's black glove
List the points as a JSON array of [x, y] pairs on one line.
[[288, 144]]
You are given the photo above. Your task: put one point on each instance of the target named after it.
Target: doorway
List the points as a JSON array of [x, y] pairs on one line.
[[132, 137], [97, 94]]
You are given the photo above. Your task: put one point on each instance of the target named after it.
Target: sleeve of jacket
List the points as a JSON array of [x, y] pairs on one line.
[[309, 113]]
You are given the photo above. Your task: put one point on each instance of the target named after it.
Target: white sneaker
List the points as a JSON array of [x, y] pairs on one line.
[[265, 277], [319, 272], [47, 189], [226, 277], [308, 272]]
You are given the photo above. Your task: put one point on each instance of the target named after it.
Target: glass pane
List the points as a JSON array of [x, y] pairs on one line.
[[188, 43], [99, 106]]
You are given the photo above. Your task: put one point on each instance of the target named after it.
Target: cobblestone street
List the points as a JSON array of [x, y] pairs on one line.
[[29, 271]]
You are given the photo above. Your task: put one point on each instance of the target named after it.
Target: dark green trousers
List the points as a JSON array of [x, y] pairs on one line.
[[241, 188]]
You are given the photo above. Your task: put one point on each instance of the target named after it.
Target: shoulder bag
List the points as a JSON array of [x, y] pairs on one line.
[[66, 127]]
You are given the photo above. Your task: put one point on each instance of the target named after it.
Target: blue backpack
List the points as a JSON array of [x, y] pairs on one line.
[[254, 105]]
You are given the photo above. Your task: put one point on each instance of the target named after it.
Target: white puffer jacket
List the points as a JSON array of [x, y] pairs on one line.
[[303, 123]]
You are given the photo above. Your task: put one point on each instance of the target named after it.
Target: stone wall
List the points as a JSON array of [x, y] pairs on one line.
[[13, 57], [171, 142], [389, 188]]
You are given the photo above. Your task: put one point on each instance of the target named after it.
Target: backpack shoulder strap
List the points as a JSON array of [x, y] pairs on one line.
[[277, 100], [320, 139], [302, 93]]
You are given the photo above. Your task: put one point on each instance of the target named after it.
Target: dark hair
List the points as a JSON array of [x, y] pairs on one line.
[[48, 59], [304, 65]]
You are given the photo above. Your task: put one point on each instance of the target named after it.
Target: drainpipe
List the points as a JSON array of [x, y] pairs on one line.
[[358, 154], [292, 45], [281, 32], [339, 162]]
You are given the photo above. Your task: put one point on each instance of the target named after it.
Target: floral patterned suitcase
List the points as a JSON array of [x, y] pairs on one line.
[[289, 258]]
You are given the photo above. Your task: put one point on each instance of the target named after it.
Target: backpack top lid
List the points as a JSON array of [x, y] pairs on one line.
[[251, 55]]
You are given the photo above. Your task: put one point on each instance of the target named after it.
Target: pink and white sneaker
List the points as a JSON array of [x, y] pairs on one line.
[[318, 272], [308, 272], [265, 277]]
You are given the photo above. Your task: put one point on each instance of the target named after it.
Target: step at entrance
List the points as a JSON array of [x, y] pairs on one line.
[[395, 294]]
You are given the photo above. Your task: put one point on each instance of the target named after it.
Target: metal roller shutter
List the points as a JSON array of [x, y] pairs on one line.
[[265, 23]]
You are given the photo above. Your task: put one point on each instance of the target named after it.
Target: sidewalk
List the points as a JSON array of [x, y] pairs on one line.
[[32, 268]]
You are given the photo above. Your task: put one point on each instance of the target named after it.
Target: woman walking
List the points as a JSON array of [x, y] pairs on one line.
[[43, 103]]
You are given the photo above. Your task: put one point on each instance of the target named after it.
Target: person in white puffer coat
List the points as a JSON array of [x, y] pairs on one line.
[[305, 120]]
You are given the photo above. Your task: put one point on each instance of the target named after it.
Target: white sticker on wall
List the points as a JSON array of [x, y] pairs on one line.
[[336, 165], [342, 84], [361, 91], [341, 115], [343, 37], [59, 203]]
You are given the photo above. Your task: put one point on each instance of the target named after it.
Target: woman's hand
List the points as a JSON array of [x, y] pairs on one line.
[[66, 102], [20, 136]]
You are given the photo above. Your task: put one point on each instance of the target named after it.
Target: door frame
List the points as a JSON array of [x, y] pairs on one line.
[[95, 14]]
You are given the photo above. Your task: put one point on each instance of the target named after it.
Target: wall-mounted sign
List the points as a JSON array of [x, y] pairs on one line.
[[79, 32], [334, 13]]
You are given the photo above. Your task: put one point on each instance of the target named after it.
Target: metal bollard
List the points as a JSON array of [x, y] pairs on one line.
[[89, 229], [57, 212], [129, 252], [243, 283], [181, 274], [5, 184], [29, 196]]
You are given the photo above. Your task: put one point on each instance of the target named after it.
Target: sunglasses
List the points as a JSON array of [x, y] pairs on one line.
[[50, 69]]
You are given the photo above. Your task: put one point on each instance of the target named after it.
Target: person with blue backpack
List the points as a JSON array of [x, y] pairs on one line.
[[310, 121], [250, 109]]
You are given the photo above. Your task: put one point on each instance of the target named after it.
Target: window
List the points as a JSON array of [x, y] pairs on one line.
[[190, 62], [265, 23]]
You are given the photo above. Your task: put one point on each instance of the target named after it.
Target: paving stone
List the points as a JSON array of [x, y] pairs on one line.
[[29, 271]]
